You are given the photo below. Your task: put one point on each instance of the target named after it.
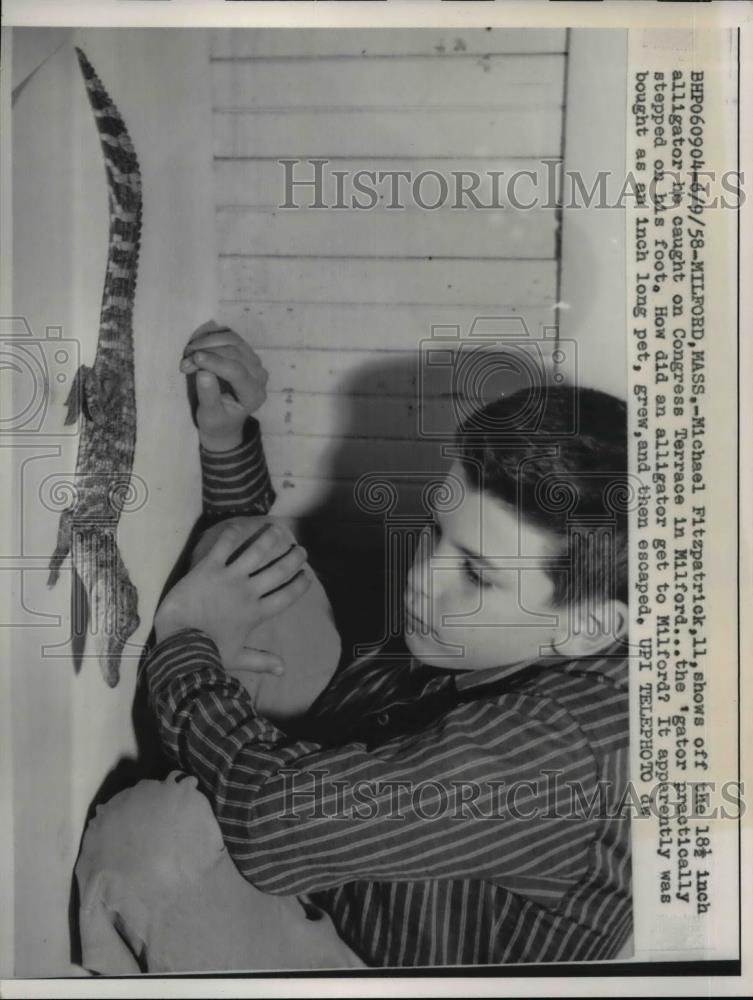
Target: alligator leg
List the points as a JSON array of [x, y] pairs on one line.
[[78, 401], [62, 548], [113, 615]]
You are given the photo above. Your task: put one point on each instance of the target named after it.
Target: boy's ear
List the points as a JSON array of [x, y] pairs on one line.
[[593, 628]]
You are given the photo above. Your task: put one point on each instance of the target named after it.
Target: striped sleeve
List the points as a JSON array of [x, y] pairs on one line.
[[236, 482], [463, 797]]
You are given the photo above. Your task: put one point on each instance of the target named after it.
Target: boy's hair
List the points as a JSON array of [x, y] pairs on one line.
[[558, 456]]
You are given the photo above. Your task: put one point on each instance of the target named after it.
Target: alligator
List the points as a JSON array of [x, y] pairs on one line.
[[103, 398]]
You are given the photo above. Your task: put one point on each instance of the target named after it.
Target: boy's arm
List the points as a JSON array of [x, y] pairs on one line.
[[230, 385], [298, 817], [235, 481]]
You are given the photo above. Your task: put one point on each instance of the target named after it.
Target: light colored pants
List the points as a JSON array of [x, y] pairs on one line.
[[159, 891]]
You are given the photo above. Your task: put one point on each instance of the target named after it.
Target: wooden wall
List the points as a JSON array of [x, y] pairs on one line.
[[337, 301]]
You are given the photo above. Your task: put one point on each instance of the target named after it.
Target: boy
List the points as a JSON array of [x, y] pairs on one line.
[[461, 806]]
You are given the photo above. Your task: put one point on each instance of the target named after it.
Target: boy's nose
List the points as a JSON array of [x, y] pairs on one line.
[[426, 584]]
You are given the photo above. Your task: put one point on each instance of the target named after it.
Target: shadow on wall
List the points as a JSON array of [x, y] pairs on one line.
[[384, 471]]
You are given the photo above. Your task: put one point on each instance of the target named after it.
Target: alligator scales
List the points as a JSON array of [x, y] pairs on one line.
[[103, 396]]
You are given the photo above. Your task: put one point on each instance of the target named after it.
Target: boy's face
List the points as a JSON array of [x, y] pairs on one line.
[[480, 584]]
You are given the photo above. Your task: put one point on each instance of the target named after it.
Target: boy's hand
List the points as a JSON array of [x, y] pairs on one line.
[[222, 361], [226, 599]]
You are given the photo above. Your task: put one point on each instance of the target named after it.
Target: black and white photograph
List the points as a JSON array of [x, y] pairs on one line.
[[362, 466]]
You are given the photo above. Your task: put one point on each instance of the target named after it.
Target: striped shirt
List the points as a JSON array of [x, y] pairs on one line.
[[439, 818], [236, 481]]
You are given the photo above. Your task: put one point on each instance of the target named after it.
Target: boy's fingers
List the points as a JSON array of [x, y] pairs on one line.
[[231, 351], [225, 341], [280, 572], [280, 600], [250, 372], [188, 363], [232, 371], [198, 361], [211, 326], [225, 545], [208, 390], [262, 548], [223, 338], [260, 661]]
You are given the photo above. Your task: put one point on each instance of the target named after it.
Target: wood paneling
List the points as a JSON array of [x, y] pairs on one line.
[[338, 301], [503, 181], [400, 132], [349, 328], [413, 233], [440, 43], [493, 284], [485, 81]]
